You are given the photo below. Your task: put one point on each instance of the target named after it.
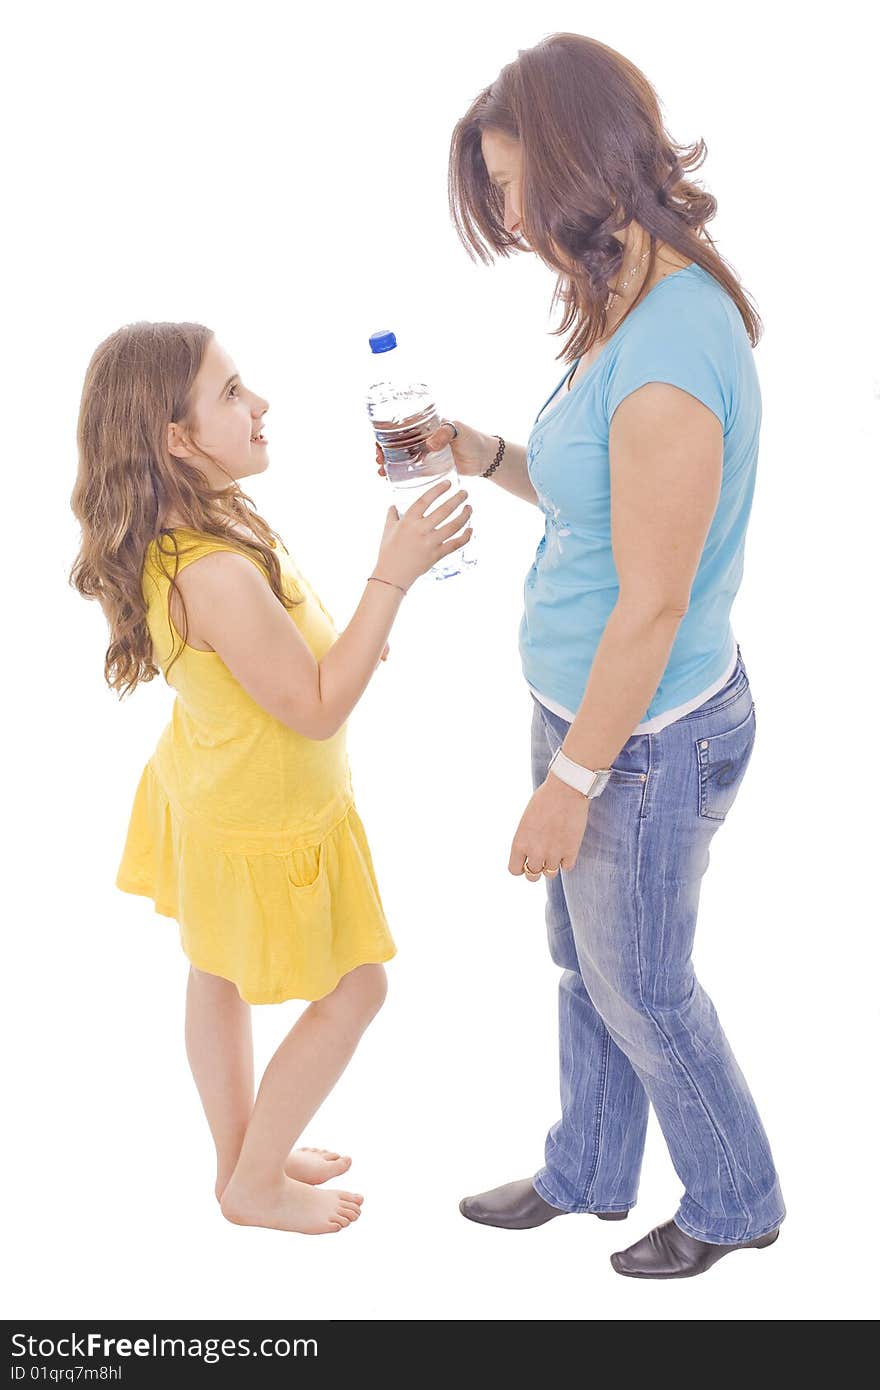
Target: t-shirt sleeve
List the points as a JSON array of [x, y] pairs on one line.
[[688, 345]]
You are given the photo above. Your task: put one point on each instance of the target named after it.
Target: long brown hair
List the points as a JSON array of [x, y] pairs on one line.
[[595, 157], [138, 381]]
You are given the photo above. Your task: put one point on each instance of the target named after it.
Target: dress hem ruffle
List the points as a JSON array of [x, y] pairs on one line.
[[249, 995], [277, 924]]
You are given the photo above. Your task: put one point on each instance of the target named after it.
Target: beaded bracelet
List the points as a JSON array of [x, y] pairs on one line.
[[388, 582], [497, 459]]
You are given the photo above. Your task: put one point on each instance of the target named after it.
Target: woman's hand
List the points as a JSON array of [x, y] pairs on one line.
[[551, 830], [414, 542], [472, 451]]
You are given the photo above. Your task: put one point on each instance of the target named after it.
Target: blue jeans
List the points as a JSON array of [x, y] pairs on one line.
[[635, 1025]]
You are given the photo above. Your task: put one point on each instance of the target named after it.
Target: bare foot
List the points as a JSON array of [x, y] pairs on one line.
[[315, 1165], [290, 1206]]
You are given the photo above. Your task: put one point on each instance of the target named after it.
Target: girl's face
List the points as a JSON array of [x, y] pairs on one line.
[[228, 418]]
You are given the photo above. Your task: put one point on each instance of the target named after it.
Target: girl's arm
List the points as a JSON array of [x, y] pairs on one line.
[[345, 672], [230, 606]]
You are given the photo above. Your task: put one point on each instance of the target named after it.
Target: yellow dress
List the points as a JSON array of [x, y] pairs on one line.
[[243, 830]]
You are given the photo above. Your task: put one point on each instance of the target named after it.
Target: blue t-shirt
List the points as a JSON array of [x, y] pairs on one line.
[[687, 331]]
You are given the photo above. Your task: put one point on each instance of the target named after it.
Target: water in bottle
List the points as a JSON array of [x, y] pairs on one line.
[[403, 414]]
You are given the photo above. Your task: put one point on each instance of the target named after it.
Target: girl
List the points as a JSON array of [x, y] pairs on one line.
[[244, 826]]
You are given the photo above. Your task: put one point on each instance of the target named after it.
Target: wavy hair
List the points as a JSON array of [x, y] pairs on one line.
[[595, 157], [138, 381]]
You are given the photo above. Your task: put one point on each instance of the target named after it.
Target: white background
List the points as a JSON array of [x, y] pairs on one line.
[[283, 180]]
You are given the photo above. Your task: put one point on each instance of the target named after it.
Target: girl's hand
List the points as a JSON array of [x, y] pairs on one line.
[[472, 451], [551, 829], [414, 542]]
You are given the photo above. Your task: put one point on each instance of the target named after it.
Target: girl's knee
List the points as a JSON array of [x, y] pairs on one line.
[[362, 991], [368, 986], [205, 980]]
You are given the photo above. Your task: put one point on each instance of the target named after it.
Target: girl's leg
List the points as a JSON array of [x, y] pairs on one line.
[[219, 1047], [300, 1075]]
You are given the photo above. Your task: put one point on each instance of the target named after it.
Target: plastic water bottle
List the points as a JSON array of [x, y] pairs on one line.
[[403, 414]]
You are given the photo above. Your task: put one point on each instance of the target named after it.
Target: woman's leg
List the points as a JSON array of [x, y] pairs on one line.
[[633, 898], [300, 1075], [593, 1154]]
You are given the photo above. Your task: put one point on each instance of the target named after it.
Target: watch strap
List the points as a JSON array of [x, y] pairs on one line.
[[589, 783]]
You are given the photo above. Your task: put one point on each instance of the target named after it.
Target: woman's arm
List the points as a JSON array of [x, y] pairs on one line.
[[512, 473], [665, 450], [473, 453]]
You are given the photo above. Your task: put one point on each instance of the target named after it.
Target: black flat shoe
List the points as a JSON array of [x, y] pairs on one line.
[[668, 1252], [517, 1207]]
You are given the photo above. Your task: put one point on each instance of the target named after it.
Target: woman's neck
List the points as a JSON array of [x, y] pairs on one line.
[[666, 261]]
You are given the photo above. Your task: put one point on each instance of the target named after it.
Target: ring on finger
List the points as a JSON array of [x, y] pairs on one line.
[[452, 427]]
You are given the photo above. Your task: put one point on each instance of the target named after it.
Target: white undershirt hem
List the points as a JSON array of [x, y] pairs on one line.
[[660, 721]]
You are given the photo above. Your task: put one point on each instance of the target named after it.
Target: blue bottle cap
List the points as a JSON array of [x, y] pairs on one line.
[[383, 342]]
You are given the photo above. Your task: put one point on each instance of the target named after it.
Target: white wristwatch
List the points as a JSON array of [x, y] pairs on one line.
[[583, 779]]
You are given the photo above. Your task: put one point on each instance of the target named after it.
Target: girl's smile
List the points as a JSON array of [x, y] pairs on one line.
[[223, 408]]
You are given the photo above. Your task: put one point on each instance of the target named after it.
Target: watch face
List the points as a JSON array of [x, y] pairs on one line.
[[602, 780]]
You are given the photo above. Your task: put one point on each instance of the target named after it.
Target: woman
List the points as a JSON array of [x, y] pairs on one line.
[[643, 462]]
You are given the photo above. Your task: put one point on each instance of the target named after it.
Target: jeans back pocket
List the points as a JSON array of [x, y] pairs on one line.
[[722, 760]]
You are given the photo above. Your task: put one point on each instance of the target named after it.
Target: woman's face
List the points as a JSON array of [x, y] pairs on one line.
[[227, 419], [502, 157]]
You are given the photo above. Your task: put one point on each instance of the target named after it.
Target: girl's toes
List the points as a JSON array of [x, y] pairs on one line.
[[315, 1166]]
